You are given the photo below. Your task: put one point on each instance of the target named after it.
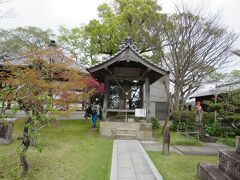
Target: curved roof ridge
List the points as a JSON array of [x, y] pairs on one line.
[[128, 43]]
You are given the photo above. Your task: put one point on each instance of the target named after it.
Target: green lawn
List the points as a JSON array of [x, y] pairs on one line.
[[71, 151], [179, 167], [176, 138], [231, 141]]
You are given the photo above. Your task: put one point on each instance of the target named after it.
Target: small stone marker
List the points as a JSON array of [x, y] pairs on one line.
[[166, 141], [6, 129], [238, 144], [130, 120]]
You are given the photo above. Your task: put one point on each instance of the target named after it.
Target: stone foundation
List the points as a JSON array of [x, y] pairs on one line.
[[140, 130]]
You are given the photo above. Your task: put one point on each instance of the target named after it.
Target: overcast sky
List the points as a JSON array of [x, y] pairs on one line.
[[71, 13], [52, 13]]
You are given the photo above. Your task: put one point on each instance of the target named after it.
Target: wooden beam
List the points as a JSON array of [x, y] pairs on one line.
[[120, 110], [147, 96], [106, 97]]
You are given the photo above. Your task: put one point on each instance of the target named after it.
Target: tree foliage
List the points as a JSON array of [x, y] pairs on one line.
[[42, 86], [116, 20], [14, 42], [226, 107], [188, 43], [195, 46]]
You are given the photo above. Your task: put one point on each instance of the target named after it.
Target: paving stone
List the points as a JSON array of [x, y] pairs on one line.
[[124, 163], [139, 161], [142, 169], [145, 177], [121, 178], [126, 172], [131, 162]]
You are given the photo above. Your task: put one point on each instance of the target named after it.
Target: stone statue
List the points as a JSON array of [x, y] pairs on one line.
[[199, 113], [166, 141]]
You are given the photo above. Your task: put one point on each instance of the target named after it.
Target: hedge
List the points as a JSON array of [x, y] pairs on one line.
[[188, 117]]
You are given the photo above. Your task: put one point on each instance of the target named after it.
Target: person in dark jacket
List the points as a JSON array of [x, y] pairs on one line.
[[94, 109]]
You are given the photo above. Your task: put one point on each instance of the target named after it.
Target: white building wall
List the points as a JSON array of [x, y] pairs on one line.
[[158, 94]]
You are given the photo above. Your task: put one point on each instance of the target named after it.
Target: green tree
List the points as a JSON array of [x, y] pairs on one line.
[[226, 108], [41, 86], [116, 21], [195, 45], [187, 43], [16, 41]]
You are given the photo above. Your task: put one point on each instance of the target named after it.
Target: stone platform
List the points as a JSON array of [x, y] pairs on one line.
[[227, 169], [126, 130]]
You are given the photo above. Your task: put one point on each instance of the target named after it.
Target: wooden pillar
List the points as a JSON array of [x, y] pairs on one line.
[[122, 98], [106, 98], [141, 96], [147, 96]]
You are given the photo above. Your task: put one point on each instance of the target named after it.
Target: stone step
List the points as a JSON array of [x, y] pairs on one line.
[[126, 131], [207, 139], [126, 136], [211, 172], [229, 162]]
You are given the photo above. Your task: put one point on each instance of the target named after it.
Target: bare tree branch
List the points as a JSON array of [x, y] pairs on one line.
[[196, 45]]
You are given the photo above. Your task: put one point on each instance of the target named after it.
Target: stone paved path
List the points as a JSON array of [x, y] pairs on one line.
[[206, 149], [131, 162]]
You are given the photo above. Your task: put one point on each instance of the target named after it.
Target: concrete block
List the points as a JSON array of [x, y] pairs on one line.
[[238, 144], [211, 172], [130, 120], [229, 162], [141, 130]]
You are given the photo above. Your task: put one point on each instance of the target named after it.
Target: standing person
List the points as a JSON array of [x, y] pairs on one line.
[[199, 113], [94, 114]]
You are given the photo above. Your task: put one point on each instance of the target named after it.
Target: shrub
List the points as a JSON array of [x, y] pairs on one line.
[[155, 123], [234, 118], [215, 107], [208, 118], [228, 141], [188, 118], [181, 117], [173, 127], [212, 129]]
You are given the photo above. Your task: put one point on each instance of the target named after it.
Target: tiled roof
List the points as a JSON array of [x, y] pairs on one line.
[[128, 43], [220, 89]]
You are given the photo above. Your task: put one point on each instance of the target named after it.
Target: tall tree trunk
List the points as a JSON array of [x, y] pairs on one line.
[[169, 100], [176, 97], [25, 143]]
